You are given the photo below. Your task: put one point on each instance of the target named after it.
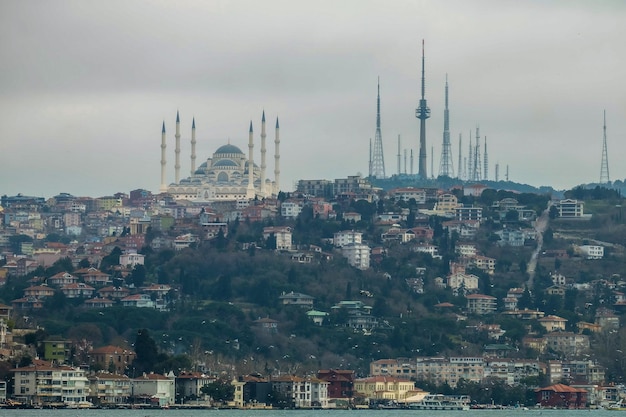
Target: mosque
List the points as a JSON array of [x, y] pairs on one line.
[[227, 176]]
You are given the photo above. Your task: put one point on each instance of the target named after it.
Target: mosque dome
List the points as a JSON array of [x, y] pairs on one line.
[[225, 163], [225, 149]]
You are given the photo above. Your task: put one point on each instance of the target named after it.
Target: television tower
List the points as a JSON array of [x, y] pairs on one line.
[[604, 167], [378, 160], [445, 166], [422, 113]]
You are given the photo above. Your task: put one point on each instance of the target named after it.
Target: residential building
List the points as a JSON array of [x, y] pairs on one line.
[[56, 349], [315, 188], [438, 370], [251, 390], [44, 384], [380, 387], [345, 237], [282, 234], [569, 208], [553, 323], [302, 392], [93, 276], [189, 384], [512, 371], [462, 283], [408, 193], [154, 389], [340, 382], [115, 359], [77, 290], [107, 389], [561, 396], [464, 214], [138, 300], [131, 259], [358, 255], [567, 343], [484, 263], [291, 209], [481, 304], [317, 317], [62, 278], [592, 251], [296, 298]]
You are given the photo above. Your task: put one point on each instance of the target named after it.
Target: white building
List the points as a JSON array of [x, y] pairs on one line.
[[131, 259], [42, 383], [282, 235], [160, 388], [592, 251], [459, 280], [345, 237], [290, 209], [569, 208], [358, 255], [106, 388]]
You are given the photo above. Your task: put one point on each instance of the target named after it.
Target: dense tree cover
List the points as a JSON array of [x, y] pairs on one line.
[[596, 193]]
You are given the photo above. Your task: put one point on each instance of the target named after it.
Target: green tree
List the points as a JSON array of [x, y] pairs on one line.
[[146, 351], [220, 390], [138, 275]]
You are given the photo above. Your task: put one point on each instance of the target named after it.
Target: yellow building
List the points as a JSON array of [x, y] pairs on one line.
[[384, 388]]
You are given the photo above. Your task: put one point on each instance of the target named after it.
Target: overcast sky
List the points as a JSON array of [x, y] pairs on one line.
[[85, 86]]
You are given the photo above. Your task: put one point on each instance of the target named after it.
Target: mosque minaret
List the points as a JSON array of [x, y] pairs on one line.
[[228, 175], [163, 146], [263, 166], [277, 161], [193, 146], [250, 163], [177, 150]]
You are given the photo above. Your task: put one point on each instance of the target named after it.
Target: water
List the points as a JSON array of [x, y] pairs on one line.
[[304, 413]]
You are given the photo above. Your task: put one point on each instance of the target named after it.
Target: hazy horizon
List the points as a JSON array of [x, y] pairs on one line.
[[86, 87]]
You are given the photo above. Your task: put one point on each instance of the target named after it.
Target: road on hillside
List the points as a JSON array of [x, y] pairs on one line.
[[541, 224]]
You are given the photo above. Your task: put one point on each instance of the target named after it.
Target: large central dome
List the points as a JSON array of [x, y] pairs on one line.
[[228, 149]]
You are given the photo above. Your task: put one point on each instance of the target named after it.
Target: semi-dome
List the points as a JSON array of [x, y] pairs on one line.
[[225, 163], [228, 149]]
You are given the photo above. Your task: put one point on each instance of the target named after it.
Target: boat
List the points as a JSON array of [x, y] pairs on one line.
[[616, 406], [442, 402]]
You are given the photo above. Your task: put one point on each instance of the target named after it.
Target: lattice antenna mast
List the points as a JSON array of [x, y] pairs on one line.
[[477, 165], [459, 174], [422, 113], [486, 162], [399, 170], [604, 167], [445, 167], [378, 159]]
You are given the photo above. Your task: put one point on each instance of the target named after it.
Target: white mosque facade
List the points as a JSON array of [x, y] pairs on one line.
[[225, 176]]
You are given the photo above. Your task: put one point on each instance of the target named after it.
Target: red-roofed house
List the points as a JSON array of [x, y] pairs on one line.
[[62, 278], [77, 290], [561, 396], [118, 356], [480, 303]]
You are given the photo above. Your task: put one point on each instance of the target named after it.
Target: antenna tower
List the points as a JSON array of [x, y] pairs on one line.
[[485, 162], [378, 160], [399, 171], [445, 166], [459, 173], [604, 167], [422, 113], [477, 174]]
